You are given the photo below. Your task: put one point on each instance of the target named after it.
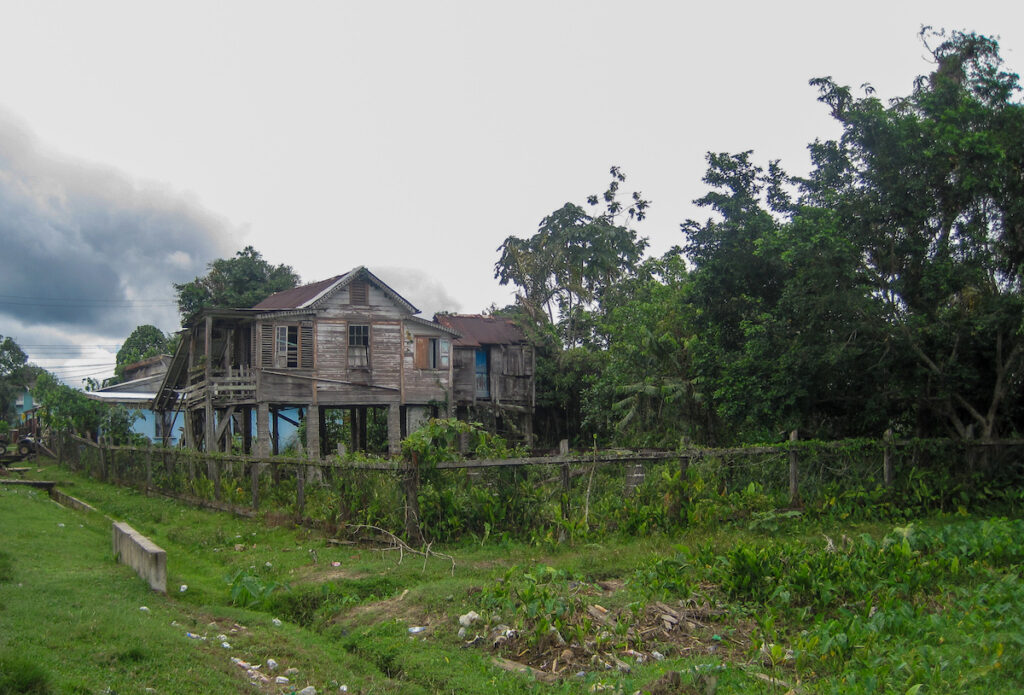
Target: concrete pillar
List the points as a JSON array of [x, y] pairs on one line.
[[313, 431], [394, 430], [263, 431]]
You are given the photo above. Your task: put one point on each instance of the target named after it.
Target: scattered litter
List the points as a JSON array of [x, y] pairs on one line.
[[267, 564], [271, 664], [335, 564], [192, 635], [308, 690], [60, 525], [343, 689], [468, 619], [416, 630], [144, 609], [462, 633], [281, 679], [291, 672], [225, 645], [239, 662], [657, 656], [277, 623], [184, 588], [222, 637]]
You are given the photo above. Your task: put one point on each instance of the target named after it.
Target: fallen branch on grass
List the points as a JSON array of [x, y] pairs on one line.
[[395, 543]]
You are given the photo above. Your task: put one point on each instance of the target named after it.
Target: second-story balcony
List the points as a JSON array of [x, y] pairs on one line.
[[225, 386]]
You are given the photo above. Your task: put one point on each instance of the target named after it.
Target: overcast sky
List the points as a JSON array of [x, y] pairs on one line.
[[141, 140]]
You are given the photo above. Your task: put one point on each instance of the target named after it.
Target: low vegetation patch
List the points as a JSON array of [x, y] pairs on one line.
[[765, 601]]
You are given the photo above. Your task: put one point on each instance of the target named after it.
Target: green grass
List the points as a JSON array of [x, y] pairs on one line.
[[940, 613]]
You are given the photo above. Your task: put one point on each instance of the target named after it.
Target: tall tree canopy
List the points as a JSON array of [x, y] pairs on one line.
[[563, 268], [562, 272], [144, 342], [239, 282], [930, 188], [882, 290], [13, 374]]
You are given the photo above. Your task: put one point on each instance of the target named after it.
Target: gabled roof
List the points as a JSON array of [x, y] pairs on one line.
[[477, 330], [299, 297], [312, 295]]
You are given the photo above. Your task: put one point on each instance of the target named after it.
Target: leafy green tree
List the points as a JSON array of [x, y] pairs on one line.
[[647, 395], [239, 282], [931, 190], [13, 375], [562, 272], [64, 408], [144, 342], [563, 268]]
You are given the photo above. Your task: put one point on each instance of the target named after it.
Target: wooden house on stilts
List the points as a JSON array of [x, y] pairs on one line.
[[349, 342]]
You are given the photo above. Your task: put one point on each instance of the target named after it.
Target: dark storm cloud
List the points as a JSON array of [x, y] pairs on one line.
[[86, 248]]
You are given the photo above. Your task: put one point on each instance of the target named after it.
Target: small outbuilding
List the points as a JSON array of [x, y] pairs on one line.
[[493, 373]]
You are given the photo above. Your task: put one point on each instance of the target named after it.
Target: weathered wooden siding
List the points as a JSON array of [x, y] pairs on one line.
[[379, 306], [465, 374], [280, 386], [332, 349], [424, 385], [511, 375], [386, 354]]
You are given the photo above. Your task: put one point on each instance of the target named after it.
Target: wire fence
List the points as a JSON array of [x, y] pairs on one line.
[[576, 494]]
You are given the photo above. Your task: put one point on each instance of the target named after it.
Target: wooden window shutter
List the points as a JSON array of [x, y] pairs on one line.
[[266, 345], [306, 345], [358, 293], [422, 352]]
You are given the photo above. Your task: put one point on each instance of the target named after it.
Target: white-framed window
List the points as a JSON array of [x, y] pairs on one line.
[[287, 345], [358, 346]]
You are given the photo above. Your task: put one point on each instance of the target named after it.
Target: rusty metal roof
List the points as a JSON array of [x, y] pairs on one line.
[[477, 330], [299, 296], [310, 296]]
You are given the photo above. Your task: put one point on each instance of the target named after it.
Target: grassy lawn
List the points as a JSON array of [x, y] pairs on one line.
[[801, 606]]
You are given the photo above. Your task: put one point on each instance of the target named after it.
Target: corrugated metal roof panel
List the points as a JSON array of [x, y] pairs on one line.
[[477, 330], [298, 296]]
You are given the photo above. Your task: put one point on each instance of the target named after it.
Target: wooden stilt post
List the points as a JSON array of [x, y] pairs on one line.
[[794, 482], [411, 483], [563, 450], [887, 459], [254, 475]]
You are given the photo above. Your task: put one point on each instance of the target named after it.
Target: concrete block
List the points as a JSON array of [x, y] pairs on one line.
[[66, 500], [141, 554]]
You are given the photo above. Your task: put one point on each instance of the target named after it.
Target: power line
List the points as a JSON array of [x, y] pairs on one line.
[[84, 366], [52, 302]]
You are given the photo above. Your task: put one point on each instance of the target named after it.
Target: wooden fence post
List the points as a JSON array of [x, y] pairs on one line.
[[411, 484], [103, 461], [300, 490], [563, 450], [213, 469], [794, 482], [254, 474], [887, 458], [149, 468]]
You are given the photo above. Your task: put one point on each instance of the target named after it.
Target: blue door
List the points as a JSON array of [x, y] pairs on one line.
[[483, 374]]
